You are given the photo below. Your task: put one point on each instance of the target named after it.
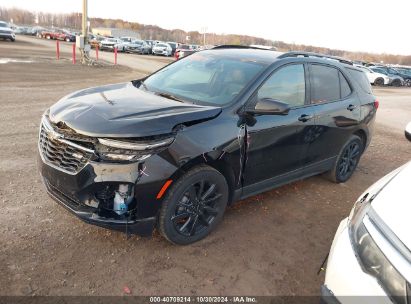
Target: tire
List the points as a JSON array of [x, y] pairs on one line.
[[193, 206], [396, 83], [12, 39], [407, 82], [347, 160], [379, 81]]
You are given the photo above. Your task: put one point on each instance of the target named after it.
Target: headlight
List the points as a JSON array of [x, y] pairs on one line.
[[374, 262], [369, 255], [130, 151]]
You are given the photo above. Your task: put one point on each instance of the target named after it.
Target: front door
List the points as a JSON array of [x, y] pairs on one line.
[[277, 143]]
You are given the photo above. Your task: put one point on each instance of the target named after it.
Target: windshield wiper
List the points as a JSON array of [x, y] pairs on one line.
[[169, 96]]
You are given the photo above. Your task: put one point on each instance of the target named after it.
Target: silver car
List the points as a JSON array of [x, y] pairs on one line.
[[6, 32]]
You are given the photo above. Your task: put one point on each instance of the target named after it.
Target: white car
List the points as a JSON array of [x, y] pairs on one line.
[[111, 43], [375, 78], [6, 32], [162, 49], [370, 258]]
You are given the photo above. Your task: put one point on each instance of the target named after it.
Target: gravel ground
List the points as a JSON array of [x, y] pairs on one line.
[[269, 244]]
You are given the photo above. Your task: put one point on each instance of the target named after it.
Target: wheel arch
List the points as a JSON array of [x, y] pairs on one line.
[[363, 135], [221, 165]]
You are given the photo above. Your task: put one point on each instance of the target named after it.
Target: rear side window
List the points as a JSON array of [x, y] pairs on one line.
[[325, 83], [344, 86], [362, 80], [286, 84]]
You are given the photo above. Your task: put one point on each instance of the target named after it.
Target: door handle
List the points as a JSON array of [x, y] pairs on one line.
[[305, 117], [351, 107]]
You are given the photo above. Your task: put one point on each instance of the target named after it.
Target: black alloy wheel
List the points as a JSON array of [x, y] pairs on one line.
[[379, 82], [396, 83], [196, 210], [407, 82], [347, 160], [194, 206]]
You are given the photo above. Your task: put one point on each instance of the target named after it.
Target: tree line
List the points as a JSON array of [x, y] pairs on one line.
[[73, 21]]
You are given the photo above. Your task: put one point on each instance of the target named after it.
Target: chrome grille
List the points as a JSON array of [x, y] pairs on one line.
[[60, 153]]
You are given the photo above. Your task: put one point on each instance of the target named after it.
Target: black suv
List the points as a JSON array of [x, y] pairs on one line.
[[172, 150]]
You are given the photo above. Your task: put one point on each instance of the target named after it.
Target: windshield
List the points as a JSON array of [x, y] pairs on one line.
[[160, 45], [208, 78], [3, 24]]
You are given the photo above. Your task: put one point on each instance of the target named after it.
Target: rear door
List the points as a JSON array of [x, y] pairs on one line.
[[337, 112]]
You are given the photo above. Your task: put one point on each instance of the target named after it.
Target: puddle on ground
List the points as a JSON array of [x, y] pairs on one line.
[[8, 60]]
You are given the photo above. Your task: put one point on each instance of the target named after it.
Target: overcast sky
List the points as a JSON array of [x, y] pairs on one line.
[[357, 25]]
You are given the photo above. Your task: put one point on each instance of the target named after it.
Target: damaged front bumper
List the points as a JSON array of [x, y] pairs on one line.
[[142, 227], [80, 193]]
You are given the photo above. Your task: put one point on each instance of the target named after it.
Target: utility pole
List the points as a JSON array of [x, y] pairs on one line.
[[84, 21], [204, 30], [83, 45]]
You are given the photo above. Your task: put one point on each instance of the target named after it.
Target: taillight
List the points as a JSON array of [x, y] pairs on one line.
[[376, 104]]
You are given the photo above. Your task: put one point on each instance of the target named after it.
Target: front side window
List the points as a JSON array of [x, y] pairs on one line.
[[286, 85], [207, 77]]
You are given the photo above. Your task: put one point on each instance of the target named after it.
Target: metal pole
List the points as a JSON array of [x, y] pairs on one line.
[[84, 54], [84, 20]]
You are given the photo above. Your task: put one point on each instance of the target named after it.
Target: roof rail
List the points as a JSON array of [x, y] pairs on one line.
[[311, 54], [232, 46]]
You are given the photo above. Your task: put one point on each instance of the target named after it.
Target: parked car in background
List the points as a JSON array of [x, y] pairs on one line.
[[370, 257], [174, 46], [109, 44], [162, 49], [173, 149], [58, 34], [138, 46], [21, 30], [127, 39], [96, 41], [404, 70], [183, 50], [36, 31], [395, 80], [375, 78], [393, 71], [122, 44], [6, 32]]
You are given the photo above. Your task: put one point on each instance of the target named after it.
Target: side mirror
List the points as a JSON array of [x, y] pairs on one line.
[[408, 131], [268, 106]]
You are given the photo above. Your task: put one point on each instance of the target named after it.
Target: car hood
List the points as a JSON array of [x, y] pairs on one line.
[[122, 110], [393, 205]]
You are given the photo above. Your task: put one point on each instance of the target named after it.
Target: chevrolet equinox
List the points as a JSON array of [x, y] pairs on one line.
[[172, 150]]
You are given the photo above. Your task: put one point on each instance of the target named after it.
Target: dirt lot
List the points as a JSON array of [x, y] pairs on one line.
[[270, 244]]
